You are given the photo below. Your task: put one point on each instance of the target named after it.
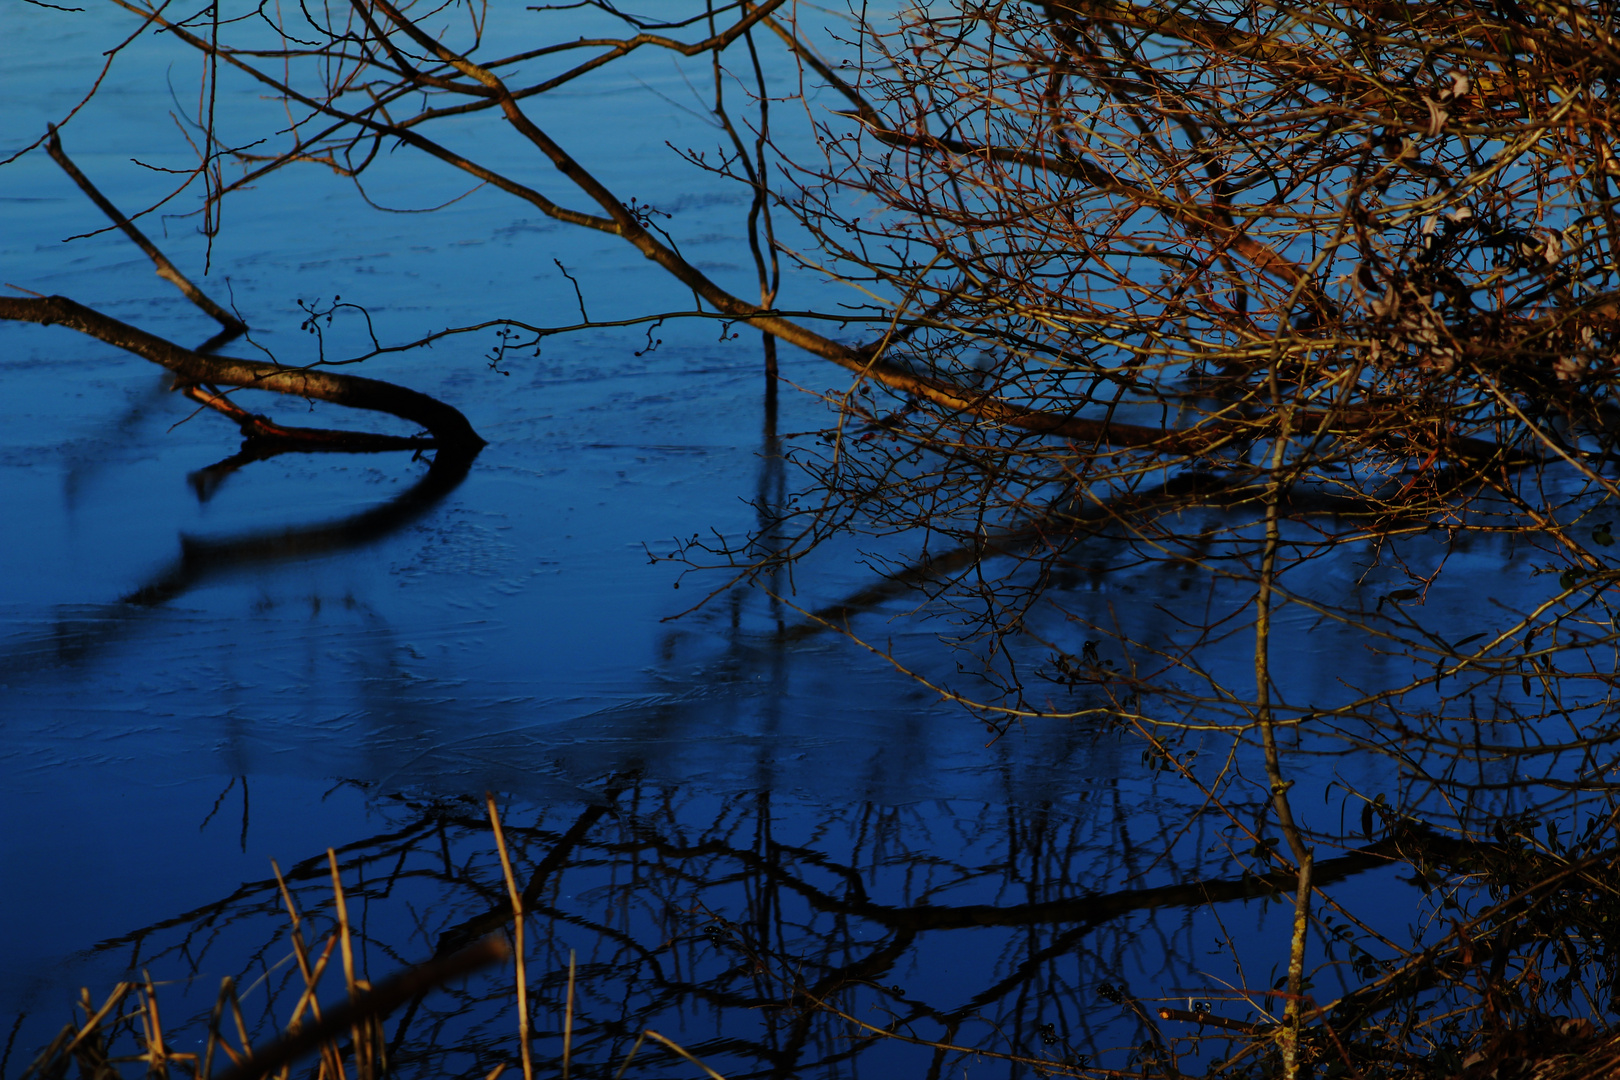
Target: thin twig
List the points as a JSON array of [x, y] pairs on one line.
[[165, 269]]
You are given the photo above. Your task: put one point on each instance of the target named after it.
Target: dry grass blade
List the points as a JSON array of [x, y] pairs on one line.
[[157, 1055], [93, 1023], [332, 1063], [568, 1019], [83, 1041], [524, 1033], [368, 1005], [683, 1052], [361, 1055], [631, 1056]]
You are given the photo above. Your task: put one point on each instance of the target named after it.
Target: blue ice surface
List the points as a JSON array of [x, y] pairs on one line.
[[512, 637]]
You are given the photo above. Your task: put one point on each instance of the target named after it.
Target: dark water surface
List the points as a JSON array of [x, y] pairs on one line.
[[771, 806]]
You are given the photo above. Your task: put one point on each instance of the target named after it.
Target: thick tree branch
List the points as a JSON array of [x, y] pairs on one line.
[[449, 427]]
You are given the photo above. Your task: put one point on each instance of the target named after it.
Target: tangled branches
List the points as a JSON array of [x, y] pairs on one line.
[[1300, 319]]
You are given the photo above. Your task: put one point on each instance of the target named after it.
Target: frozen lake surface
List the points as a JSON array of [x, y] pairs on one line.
[[505, 633]]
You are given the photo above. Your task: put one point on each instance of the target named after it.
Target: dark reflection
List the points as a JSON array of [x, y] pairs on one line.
[[753, 927], [775, 937], [206, 482], [1108, 522], [201, 559], [73, 639], [85, 458], [83, 466], [1093, 917]]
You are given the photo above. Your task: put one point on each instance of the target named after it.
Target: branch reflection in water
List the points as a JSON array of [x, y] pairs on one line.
[[78, 636], [765, 930]]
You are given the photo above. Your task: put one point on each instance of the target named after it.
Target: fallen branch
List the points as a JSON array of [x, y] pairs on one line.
[[198, 367], [260, 429], [449, 427]]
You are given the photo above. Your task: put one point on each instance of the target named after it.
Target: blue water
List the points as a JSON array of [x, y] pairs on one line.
[[511, 635]]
